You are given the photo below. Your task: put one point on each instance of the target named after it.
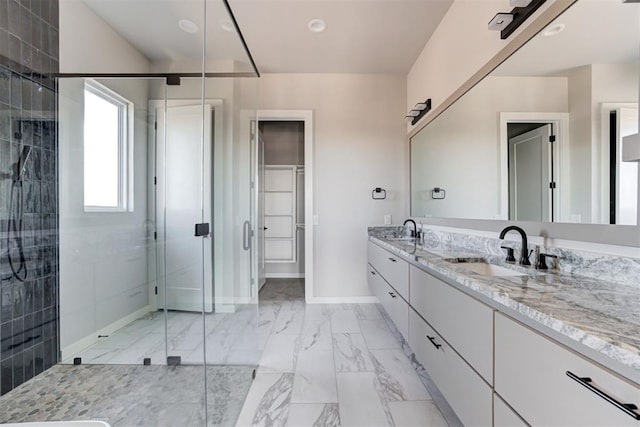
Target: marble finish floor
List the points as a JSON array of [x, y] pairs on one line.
[[231, 339], [331, 365], [130, 395]]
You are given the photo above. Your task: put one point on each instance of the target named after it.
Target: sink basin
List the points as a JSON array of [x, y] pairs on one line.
[[401, 239], [489, 269], [481, 266]]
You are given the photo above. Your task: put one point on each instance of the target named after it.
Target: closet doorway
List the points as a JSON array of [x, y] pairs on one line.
[[283, 208]]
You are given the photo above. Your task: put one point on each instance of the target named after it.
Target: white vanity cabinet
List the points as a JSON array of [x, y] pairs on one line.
[[388, 278], [468, 395], [463, 321], [503, 416], [531, 375]]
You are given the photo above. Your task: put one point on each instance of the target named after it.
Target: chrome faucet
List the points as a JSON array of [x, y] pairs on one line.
[[414, 232], [524, 253]]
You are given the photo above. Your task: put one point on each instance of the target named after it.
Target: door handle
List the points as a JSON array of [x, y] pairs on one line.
[[433, 341], [246, 235], [628, 408]]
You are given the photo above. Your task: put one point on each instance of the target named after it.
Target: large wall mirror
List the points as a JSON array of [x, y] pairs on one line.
[[539, 138]]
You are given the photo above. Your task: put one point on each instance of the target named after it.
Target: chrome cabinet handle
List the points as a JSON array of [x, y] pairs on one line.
[[246, 236], [392, 294], [433, 341], [628, 408], [393, 260]]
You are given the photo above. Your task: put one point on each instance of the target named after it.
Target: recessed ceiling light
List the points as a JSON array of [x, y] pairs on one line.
[[317, 25], [187, 26], [226, 25], [554, 29]]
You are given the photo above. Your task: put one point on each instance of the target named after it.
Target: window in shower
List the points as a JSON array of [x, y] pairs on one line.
[[107, 171]]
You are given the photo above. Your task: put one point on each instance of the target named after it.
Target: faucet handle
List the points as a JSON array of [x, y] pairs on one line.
[[541, 263], [510, 255]]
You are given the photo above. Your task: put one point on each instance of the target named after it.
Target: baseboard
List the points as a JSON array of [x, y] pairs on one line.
[[342, 300], [81, 344], [284, 275]]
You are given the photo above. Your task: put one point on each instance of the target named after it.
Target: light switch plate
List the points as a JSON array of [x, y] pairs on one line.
[[387, 219]]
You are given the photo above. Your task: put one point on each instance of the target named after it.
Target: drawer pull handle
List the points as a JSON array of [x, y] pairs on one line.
[[373, 272], [393, 260], [628, 408], [392, 294], [433, 341]]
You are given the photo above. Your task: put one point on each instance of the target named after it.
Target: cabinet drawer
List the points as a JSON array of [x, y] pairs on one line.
[[464, 322], [469, 396], [531, 375], [394, 305], [394, 269], [503, 416]]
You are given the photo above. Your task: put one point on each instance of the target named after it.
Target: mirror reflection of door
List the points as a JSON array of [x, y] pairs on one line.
[[623, 175], [531, 159]]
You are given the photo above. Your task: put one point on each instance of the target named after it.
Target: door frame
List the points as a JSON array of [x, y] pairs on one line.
[[217, 138], [561, 165], [305, 116]]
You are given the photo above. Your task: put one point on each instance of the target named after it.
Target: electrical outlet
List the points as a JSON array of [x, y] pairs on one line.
[[387, 219]]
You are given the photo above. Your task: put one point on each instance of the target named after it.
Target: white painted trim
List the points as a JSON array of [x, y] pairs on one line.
[[561, 123], [284, 275], [307, 117], [73, 349], [342, 300]]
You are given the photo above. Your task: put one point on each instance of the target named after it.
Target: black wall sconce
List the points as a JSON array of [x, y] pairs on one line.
[[418, 111], [507, 23]]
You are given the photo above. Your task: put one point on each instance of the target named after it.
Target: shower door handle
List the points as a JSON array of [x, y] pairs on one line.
[[246, 235]]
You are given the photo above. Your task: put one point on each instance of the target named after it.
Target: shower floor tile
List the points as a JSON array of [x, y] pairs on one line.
[[131, 395]]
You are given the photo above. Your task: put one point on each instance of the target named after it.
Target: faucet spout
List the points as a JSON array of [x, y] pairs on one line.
[[414, 232], [524, 253]]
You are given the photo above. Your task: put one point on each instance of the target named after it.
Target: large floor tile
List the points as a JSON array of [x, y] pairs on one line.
[[416, 414], [377, 334], [315, 380], [344, 322], [359, 401], [398, 379], [280, 354], [268, 401], [316, 335], [351, 353], [313, 414]]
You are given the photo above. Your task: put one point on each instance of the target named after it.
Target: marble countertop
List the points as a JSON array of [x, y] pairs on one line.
[[597, 318]]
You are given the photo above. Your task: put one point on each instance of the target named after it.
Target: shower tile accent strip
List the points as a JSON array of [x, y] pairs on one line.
[[28, 309]]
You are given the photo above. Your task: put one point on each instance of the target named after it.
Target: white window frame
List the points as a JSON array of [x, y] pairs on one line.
[[125, 147]]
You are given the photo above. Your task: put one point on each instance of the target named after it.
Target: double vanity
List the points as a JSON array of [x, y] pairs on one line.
[[510, 345]]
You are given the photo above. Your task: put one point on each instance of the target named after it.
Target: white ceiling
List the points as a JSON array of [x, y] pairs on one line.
[[596, 32], [362, 36]]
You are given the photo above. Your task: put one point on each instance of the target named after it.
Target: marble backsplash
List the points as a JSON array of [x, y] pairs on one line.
[[582, 263]]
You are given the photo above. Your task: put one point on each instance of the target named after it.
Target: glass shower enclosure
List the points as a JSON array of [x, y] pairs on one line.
[[157, 245]]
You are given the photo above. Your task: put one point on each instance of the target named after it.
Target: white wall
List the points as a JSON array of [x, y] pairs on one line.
[[458, 48], [89, 45], [103, 256], [460, 151], [359, 138]]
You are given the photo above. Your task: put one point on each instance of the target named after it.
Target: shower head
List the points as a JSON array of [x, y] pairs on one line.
[[20, 166]]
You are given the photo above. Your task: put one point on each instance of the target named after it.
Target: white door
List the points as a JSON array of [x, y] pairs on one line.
[[184, 200], [626, 172], [530, 198]]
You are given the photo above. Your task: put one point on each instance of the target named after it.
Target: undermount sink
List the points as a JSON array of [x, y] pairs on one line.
[[401, 239], [484, 268]]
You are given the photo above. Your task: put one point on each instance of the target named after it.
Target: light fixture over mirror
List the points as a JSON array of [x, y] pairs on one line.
[[567, 100]]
